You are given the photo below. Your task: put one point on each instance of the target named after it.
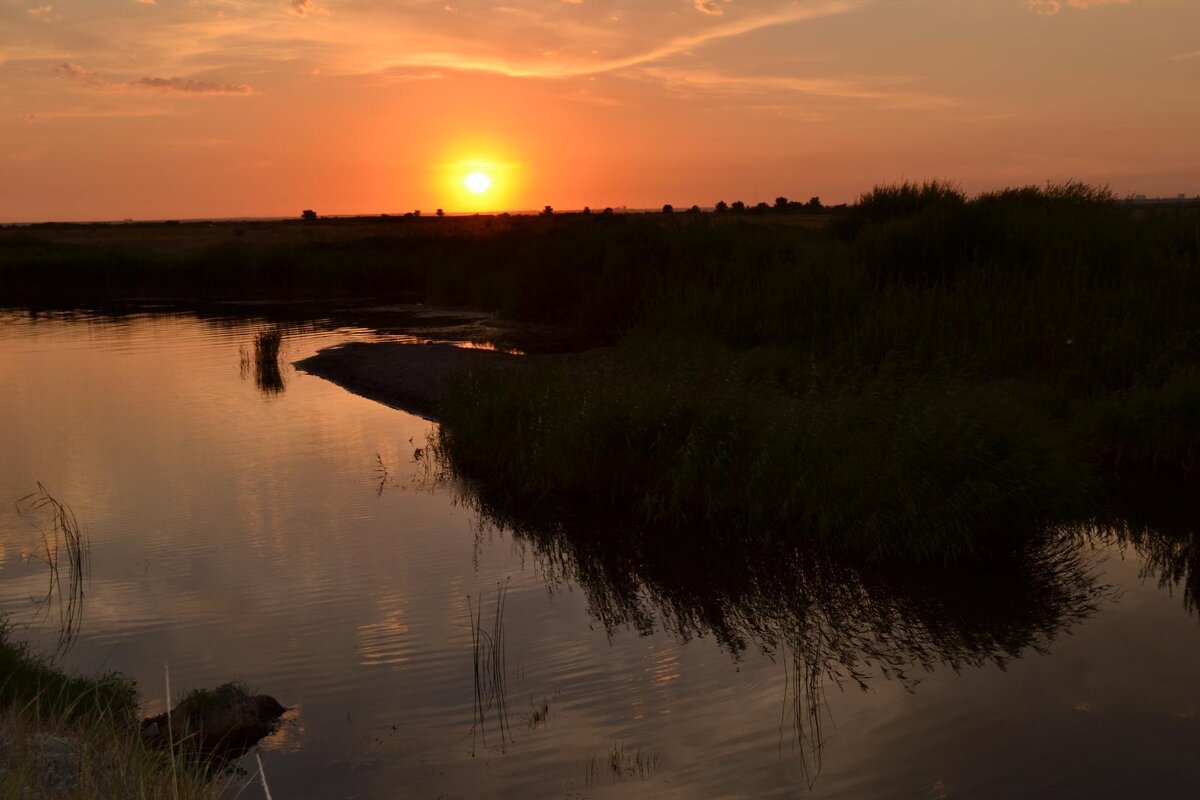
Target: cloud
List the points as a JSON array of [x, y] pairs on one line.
[[94, 80], [1050, 7], [44, 13], [1192, 56], [709, 7], [303, 8], [671, 46], [188, 86], [886, 92]]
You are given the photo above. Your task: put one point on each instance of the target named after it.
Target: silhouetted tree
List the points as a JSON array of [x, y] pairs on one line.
[[739, 206], [417, 213], [762, 208], [668, 209], [587, 210], [608, 211], [694, 210], [308, 215], [440, 213], [547, 211], [814, 203], [781, 203], [721, 207]]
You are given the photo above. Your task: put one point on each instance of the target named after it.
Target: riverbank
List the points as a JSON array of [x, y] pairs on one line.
[[924, 375], [68, 736], [411, 377], [933, 378]]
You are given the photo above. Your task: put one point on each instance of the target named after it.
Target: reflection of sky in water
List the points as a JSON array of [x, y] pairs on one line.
[[242, 536]]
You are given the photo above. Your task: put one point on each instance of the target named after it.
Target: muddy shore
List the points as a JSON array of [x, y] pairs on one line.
[[411, 377]]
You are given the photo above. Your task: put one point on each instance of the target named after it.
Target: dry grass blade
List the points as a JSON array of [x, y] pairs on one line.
[[65, 549]]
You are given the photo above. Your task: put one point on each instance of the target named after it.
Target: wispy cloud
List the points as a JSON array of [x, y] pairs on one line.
[[1192, 56], [1050, 7], [710, 7], [888, 92], [189, 86], [95, 80], [559, 67]]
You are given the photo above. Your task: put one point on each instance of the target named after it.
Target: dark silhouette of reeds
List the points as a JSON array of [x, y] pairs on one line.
[[265, 362]]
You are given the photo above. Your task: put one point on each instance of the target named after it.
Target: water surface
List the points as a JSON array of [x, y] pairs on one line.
[[288, 537]]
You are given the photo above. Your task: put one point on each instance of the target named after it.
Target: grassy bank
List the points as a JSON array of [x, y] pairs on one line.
[[71, 736], [920, 375], [928, 376]]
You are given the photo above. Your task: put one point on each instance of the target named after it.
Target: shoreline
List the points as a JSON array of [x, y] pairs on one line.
[[409, 377]]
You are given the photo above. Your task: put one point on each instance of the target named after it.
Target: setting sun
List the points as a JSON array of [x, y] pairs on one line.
[[477, 182], [486, 181]]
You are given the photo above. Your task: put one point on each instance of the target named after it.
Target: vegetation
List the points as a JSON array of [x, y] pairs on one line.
[[919, 375], [929, 378], [72, 736]]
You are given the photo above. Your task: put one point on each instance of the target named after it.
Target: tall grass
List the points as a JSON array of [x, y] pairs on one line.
[[929, 380]]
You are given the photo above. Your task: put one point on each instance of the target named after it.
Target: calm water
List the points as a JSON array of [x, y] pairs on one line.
[[287, 538]]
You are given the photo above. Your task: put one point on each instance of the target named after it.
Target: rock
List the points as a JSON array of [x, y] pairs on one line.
[[223, 722]]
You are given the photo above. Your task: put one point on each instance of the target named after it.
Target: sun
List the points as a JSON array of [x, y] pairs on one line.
[[477, 182]]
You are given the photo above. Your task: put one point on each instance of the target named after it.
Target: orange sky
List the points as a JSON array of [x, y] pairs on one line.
[[215, 108]]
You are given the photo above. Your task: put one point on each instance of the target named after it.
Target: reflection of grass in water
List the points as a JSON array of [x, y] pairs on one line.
[[830, 620], [65, 549], [263, 361], [488, 653], [266, 360], [620, 763]]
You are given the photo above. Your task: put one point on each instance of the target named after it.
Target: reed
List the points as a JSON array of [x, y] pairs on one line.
[[490, 671], [66, 551]]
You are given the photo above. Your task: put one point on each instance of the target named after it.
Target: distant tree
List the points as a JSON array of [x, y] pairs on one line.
[[547, 211], [739, 206], [587, 210], [694, 210], [761, 208], [440, 213], [308, 215], [781, 203], [608, 211], [417, 213], [721, 207], [814, 203], [668, 209]]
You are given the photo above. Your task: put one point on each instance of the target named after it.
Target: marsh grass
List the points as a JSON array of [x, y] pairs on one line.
[[66, 551], [98, 759], [490, 670], [931, 377], [267, 373], [620, 764], [59, 730]]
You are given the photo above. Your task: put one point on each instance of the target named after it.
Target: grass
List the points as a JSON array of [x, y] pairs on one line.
[[927, 379], [490, 673], [65, 545], [267, 374], [60, 730], [921, 375], [620, 764]]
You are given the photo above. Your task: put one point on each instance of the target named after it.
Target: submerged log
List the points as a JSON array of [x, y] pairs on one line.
[[222, 723]]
